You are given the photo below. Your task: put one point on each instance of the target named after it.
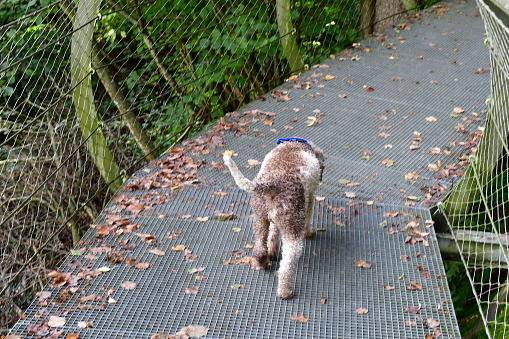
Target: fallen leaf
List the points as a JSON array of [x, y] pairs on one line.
[[237, 286], [323, 300], [55, 321], [312, 120], [142, 265], [85, 324], [90, 297], [426, 275], [391, 214], [156, 251], [350, 194], [414, 286], [104, 269], [178, 248], [432, 323], [192, 290], [388, 162], [431, 118], [343, 96], [148, 238], [458, 110], [389, 288], [319, 198], [413, 309], [135, 208], [236, 229], [128, 285], [253, 162], [362, 264], [202, 219], [328, 77], [72, 336], [301, 318], [361, 311], [410, 323], [194, 331]]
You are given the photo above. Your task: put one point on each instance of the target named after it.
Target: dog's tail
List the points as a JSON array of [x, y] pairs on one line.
[[241, 181]]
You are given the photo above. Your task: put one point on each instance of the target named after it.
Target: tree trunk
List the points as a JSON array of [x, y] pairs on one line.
[[367, 9], [387, 13], [286, 32], [83, 96]]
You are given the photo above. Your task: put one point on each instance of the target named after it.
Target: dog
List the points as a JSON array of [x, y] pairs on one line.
[[282, 196]]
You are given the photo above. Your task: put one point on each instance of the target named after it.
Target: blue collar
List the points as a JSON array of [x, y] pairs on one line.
[[279, 141]]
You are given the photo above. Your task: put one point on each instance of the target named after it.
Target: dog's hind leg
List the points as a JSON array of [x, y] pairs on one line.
[[273, 241], [309, 211], [261, 233], [292, 251]]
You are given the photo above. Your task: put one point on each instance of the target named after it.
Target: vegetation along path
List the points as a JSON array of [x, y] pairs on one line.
[[394, 115]]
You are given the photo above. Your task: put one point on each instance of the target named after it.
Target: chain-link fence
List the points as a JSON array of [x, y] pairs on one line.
[[92, 90], [477, 211]]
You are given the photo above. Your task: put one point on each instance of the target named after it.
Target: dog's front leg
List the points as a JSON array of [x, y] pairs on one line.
[[292, 251]]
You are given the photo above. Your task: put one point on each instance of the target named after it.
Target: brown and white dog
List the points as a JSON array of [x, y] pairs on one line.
[[282, 196]]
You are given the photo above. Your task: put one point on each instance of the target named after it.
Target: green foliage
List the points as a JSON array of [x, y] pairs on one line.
[[219, 55]]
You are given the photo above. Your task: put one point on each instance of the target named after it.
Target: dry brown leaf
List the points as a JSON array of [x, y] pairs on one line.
[[361, 311], [55, 321], [142, 265], [362, 264], [156, 251], [432, 323], [458, 110], [299, 317], [194, 331], [192, 290], [128, 285], [413, 309]]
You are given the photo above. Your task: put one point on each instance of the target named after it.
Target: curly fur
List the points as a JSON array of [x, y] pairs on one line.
[[282, 201]]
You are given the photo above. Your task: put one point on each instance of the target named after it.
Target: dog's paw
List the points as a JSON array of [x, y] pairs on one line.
[[256, 265], [285, 294]]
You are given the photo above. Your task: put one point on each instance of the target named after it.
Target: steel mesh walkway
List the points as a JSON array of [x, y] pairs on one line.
[[384, 114]]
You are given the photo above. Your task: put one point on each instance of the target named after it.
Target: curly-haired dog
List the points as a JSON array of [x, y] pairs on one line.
[[282, 201]]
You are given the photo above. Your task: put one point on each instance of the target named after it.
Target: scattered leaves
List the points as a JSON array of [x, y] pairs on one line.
[[202, 219]]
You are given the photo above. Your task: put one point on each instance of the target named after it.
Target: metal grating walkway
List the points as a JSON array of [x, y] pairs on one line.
[[369, 112]]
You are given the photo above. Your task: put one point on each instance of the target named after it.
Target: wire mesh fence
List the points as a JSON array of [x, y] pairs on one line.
[[92, 90], [477, 211]]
